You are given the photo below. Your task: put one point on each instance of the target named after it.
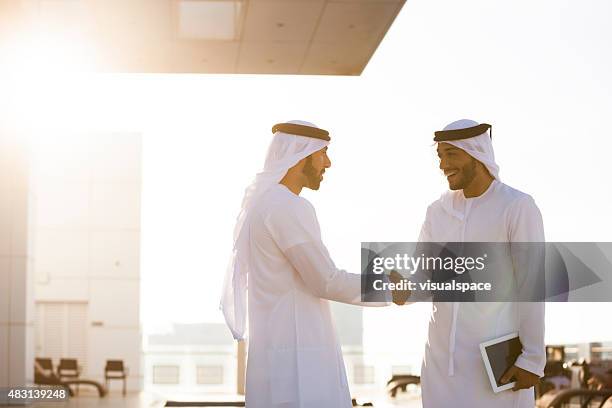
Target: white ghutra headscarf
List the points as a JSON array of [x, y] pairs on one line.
[[479, 147], [285, 151]]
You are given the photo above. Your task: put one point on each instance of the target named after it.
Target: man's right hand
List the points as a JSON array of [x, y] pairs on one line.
[[399, 296]]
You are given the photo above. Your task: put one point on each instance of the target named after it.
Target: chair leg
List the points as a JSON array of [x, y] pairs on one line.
[[124, 381]]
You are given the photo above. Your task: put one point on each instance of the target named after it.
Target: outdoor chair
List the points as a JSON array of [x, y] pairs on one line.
[[115, 370]]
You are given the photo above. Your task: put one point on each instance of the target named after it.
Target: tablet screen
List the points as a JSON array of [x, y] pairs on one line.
[[502, 356]]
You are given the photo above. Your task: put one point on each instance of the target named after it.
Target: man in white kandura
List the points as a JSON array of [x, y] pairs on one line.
[[480, 208], [294, 359]]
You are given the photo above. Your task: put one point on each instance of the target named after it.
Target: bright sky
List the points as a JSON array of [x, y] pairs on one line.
[[538, 71]]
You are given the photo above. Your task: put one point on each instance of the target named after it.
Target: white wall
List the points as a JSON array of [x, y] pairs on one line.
[[88, 242], [16, 300]]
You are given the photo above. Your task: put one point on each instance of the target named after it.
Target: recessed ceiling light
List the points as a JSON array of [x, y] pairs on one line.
[[209, 19]]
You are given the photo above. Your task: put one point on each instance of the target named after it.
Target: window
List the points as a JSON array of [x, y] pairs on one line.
[[210, 374], [165, 374]]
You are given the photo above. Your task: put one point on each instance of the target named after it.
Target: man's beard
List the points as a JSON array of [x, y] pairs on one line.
[[313, 177], [467, 172]]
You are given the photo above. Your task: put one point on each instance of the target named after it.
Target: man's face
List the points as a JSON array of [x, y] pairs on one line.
[[314, 167], [458, 166]]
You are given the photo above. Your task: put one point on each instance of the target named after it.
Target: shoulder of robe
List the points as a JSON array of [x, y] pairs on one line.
[[284, 210], [513, 195], [433, 208], [518, 200]]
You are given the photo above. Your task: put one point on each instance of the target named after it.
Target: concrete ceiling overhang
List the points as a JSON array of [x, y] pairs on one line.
[[314, 37]]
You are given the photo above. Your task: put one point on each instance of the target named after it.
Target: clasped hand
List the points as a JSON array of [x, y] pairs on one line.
[[399, 296]]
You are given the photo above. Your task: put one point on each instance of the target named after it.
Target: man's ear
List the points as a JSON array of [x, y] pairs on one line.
[[297, 168], [300, 165]]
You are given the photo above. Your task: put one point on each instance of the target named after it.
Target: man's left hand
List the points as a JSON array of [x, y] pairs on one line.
[[524, 379]]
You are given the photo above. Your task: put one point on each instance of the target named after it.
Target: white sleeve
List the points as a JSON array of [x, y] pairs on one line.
[[296, 232], [526, 226], [316, 268]]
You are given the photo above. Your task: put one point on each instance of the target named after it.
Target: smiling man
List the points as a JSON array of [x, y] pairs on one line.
[[480, 208], [294, 358]]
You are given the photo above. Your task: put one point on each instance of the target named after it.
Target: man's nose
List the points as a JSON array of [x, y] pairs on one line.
[[327, 163]]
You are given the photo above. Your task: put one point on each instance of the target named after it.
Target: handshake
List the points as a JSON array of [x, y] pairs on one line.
[[399, 296]]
